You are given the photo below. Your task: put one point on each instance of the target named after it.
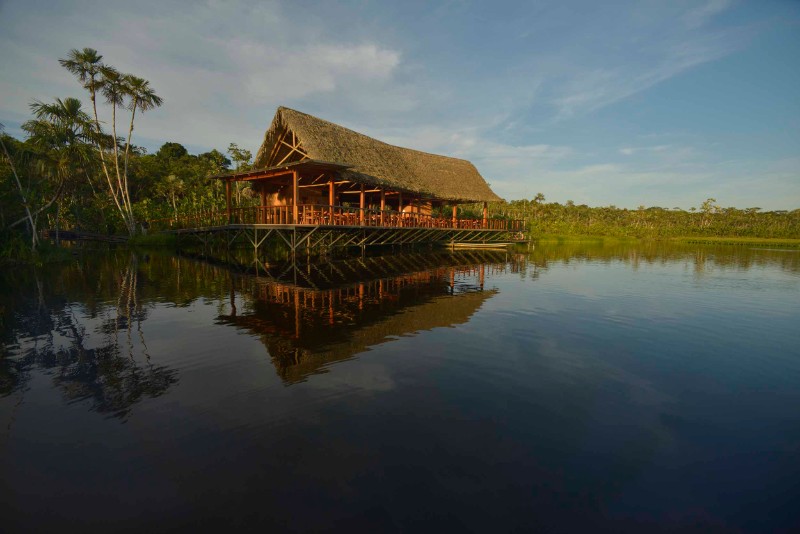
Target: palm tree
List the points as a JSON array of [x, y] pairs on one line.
[[142, 97], [114, 90], [88, 67], [118, 89], [60, 133]]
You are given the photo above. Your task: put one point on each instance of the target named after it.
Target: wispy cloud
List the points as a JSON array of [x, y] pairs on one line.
[[698, 16]]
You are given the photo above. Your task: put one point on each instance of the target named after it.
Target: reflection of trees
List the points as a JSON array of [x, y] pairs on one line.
[[699, 257], [53, 340], [111, 381]]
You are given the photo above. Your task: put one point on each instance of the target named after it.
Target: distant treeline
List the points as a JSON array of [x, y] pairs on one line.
[[707, 220]]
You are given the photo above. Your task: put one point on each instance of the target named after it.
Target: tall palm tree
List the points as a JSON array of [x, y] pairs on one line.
[[142, 97], [114, 90], [87, 65], [120, 91]]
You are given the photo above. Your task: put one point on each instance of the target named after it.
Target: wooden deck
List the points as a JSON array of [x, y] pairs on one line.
[[326, 226]]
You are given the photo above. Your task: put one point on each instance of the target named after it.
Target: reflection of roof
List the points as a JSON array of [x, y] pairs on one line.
[[376, 162]]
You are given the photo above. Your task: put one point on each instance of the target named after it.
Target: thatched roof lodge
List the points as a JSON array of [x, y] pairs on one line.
[[307, 167]]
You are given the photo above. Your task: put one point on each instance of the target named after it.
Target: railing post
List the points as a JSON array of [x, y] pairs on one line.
[[228, 200], [331, 195], [383, 206], [294, 197], [361, 205]]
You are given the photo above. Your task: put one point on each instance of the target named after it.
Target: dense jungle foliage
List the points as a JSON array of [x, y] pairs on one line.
[[707, 220]]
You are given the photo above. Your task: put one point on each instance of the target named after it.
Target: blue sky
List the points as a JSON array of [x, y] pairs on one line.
[[655, 103]]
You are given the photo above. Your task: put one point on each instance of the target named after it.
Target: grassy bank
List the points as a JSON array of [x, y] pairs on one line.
[[748, 241], [578, 238], [751, 241]]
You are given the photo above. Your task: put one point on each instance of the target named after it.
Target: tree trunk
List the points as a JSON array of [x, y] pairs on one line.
[[58, 212]]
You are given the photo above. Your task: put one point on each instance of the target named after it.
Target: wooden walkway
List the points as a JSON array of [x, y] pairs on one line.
[[339, 226]]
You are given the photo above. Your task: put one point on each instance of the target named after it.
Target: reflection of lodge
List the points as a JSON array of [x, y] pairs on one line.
[[340, 273], [306, 329]]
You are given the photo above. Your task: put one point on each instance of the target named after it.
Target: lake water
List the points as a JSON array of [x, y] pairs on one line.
[[572, 388]]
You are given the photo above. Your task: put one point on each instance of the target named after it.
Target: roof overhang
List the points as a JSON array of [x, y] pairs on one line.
[[309, 166]]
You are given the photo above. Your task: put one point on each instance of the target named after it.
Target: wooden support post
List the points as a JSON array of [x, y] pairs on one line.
[[294, 197], [361, 205], [383, 206], [455, 215], [263, 209], [228, 200], [331, 197], [400, 201], [485, 215]]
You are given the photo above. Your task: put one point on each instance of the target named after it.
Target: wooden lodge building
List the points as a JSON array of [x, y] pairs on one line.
[[311, 175]]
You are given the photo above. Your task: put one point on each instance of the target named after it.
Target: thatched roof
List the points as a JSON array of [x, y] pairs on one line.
[[375, 162]]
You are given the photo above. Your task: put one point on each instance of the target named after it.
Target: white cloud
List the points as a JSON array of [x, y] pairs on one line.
[[271, 72]]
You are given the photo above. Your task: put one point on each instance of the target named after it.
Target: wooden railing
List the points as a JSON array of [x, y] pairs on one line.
[[325, 215]]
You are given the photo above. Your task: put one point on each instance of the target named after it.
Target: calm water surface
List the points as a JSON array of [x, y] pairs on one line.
[[584, 388]]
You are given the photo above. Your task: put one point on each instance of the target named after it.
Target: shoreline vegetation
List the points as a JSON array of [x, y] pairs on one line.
[[76, 169], [734, 241]]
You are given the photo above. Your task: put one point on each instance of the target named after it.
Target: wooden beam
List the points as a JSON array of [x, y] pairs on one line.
[[274, 152], [383, 206], [289, 154], [485, 214], [455, 215], [297, 148]]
